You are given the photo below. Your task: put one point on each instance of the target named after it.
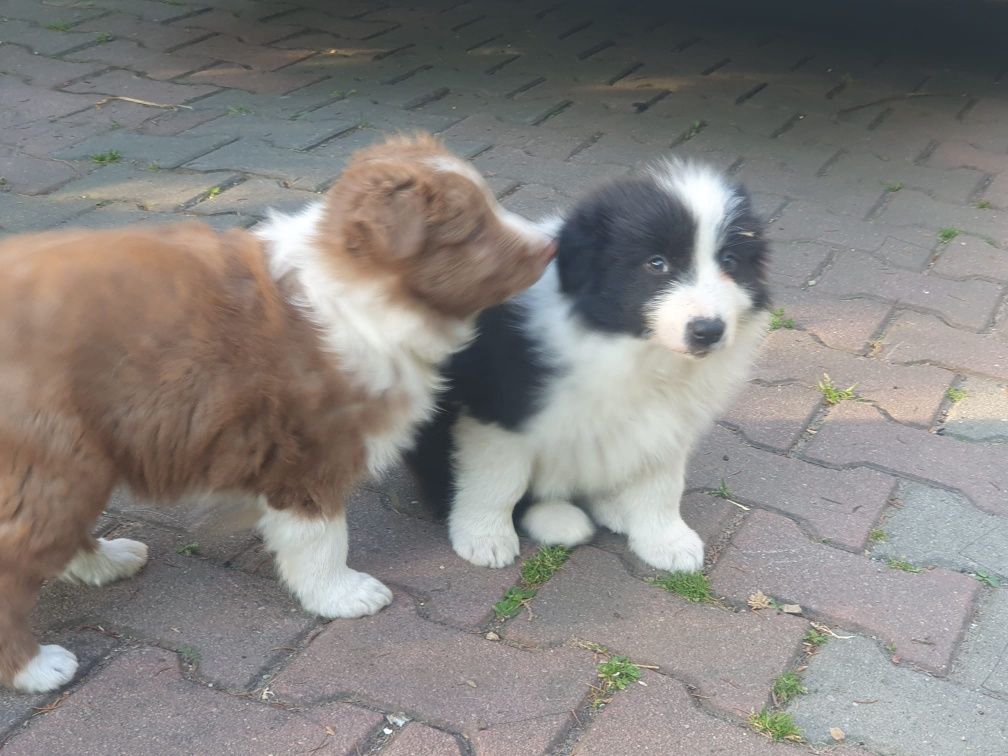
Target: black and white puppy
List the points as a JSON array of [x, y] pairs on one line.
[[594, 385]]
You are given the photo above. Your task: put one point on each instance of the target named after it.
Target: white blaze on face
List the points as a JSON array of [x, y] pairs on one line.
[[705, 291]]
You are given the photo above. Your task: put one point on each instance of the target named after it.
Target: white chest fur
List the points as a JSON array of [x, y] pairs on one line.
[[622, 406]]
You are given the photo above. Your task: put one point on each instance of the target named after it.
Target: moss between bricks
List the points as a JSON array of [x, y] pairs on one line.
[[534, 572]]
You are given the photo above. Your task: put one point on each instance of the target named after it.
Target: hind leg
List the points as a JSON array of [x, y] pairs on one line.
[[558, 523], [47, 504], [24, 664], [100, 561]]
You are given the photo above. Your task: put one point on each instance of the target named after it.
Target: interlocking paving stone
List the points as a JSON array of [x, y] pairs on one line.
[[914, 337], [152, 36], [892, 710], [31, 175], [420, 740], [662, 719], [592, 599], [922, 614], [982, 415], [967, 256], [162, 151], [527, 738], [40, 70], [446, 677], [910, 207], [982, 660], [124, 53], [838, 505], [847, 324], [908, 394], [157, 191], [255, 197], [19, 213], [126, 84], [774, 415], [931, 526], [302, 170], [855, 434], [89, 646], [234, 623], [140, 703], [963, 303]]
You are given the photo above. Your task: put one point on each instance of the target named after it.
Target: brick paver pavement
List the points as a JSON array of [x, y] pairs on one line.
[[877, 148]]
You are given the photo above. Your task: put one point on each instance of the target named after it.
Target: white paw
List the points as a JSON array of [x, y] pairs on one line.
[[352, 594], [677, 549], [112, 560], [52, 667], [496, 549], [558, 523]]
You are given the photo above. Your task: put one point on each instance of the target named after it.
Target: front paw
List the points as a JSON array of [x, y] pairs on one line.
[[493, 549], [677, 549], [354, 594]]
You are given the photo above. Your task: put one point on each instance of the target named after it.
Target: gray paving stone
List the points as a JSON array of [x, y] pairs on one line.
[[931, 526], [19, 213], [301, 170], [157, 191], [892, 710], [255, 198], [982, 660], [165, 152], [982, 415]]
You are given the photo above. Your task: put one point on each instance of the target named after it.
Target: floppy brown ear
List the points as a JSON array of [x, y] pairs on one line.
[[387, 211]]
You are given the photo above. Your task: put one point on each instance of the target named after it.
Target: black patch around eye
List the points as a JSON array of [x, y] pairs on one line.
[[744, 256]]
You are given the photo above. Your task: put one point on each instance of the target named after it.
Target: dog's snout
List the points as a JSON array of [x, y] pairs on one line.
[[703, 333]]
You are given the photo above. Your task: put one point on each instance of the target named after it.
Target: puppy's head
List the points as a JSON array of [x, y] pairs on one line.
[[423, 218], [675, 256]]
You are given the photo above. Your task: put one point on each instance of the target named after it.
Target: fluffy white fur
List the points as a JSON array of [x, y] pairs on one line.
[[376, 342], [111, 561], [52, 667], [311, 559], [625, 450]]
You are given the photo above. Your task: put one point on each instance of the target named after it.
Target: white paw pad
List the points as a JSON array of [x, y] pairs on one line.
[[558, 523], [677, 549], [52, 667], [352, 594], [487, 549]]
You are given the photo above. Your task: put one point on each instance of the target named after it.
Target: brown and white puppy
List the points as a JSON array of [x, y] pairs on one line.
[[282, 364]]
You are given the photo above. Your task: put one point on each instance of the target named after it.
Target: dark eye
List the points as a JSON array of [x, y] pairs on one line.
[[729, 262], [657, 265]]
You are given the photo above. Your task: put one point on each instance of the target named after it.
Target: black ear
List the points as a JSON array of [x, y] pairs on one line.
[[583, 235]]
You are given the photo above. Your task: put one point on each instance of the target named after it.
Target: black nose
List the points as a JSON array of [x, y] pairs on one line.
[[704, 332]]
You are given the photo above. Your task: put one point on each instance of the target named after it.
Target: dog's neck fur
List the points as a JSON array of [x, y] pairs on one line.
[[384, 347], [378, 341]]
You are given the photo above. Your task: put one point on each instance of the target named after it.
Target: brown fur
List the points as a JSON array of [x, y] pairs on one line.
[[170, 360]]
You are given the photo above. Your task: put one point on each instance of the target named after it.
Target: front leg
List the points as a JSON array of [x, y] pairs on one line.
[[310, 553], [492, 471], [650, 516]]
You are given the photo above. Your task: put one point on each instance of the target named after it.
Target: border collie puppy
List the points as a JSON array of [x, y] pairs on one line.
[[594, 385], [281, 365]]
